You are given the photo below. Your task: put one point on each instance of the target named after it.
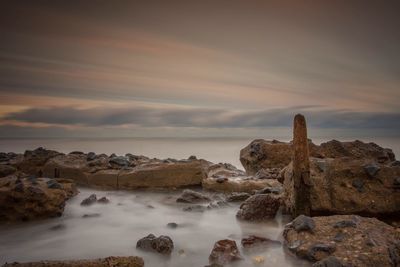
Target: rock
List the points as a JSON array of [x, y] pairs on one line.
[[237, 197], [270, 190], [162, 244], [58, 227], [224, 252], [6, 170], [105, 262], [34, 160], [258, 242], [91, 156], [120, 161], [89, 200], [22, 201], [103, 200], [53, 184], [352, 248], [328, 262], [347, 189], [246, 184], [195, 208], [190, 196], [303, 223], [371, 169], [345, 223], [172, 225], [261, 154], [259, 207], [396, 183], [192, 158]]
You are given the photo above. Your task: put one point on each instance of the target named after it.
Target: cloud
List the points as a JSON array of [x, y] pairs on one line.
[[317, 116]]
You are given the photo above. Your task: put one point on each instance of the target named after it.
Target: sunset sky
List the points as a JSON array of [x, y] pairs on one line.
[[197, 68]]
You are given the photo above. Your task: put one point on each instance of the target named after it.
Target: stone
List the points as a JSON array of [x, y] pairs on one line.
[[328, 262], [259, 207], [22, 201], [119, 161], [396, 183], [303, 223], [53, 184], [91, 156], [270, 190], [91, 215], [353, 248], [162, 244], [224, 252], [105, 262], [237, 197], [89, 200], [103, 200], [192, 158], [301, 168], [195, 208], [172, 225], [190, 196], [34, 160], [345, 223], [347, 189], [371, 169]]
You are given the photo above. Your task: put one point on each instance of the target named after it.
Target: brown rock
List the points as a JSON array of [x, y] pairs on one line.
[[259, 207], [355, 248], [106, 262], [301, 168], [27, 199], [162, 244], [224, 252]]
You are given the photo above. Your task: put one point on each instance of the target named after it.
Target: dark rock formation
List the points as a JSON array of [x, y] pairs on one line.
[[303, 223], [106, 262], [224, 252], [103, 200], [89, 200], [368, 242], [162, 244], [237, 197], [22, 200], [258, 243], [6, 170], [259, 207]]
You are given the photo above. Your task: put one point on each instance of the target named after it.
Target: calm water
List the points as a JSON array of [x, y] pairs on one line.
[[128, 218]]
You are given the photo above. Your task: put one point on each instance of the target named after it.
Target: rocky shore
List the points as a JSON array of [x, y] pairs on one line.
[[344, 196]]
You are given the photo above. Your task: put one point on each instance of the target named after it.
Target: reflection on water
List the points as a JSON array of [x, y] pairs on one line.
[[127, 218]]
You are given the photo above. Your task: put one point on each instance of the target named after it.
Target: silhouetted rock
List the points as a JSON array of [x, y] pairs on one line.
[[103, 200], [89, 200]]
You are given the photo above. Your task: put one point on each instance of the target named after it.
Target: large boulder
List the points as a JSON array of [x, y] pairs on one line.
[[105, 262], [348, 239], [162, 174], [261, 154], [34, 160], [259, 207], [33, 198], [349, 186], [224, 252]]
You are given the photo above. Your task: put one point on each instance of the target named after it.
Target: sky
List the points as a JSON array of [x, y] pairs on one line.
[[198, 68]]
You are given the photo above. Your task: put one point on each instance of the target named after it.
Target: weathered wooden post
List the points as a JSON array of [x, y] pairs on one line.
[[301, 167]]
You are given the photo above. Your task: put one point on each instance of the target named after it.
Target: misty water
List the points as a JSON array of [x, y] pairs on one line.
[[135, 214]]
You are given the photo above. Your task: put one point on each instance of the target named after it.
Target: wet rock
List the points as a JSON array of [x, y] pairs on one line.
[[237, 197], [303, 223], [172, 225], [259, 207], [105, 262], [224, 252], [22, 201], [103, 200], [6, 170], [270, 190], [258, 242], [91, 156], [120, 161], [190, 196], [89, 200], [372, 169], [352, 248], [162, 244], [328, 262]]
